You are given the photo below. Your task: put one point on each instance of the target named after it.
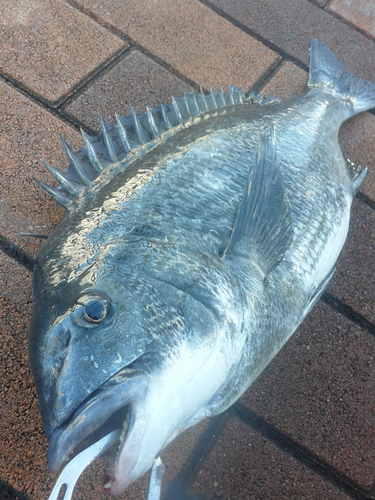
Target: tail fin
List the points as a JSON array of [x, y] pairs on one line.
[[326, 69]]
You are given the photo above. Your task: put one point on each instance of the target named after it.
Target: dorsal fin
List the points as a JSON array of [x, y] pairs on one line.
[[136, 133], [262, 229]]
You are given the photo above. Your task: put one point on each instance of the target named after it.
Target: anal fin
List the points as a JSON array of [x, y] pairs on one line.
[[262, 229], [358, 178], [318, 292]]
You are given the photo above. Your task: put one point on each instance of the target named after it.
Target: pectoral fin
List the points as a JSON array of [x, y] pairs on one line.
[[262, 230]]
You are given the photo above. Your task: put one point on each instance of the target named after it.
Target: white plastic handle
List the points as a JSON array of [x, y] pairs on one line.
[[156, 476], [70, 474]]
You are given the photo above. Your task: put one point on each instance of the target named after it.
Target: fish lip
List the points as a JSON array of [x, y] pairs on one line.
[[119, 473], [116, 395]]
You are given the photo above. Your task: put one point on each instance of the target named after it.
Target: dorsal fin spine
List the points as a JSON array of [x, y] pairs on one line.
[[189, 111], [221, 96], [165, 117], [74, 160], [192, 105], [237, 95], [95, 163], [55, 193], [196, 102], [212, 95], [152, 123], [138, 128], [107, 139], [123, 135], [203, 95], [59, 176], [359, 177], [231, 97], [177, 111], [256, 98], [187, 105]]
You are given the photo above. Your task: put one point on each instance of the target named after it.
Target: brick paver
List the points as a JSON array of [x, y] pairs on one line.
[[194, 40], [354, 280], [243, 465], [49, 47], [137, 80], [319, 391], [29, 133], [23, 444], [306, 428], [360, 13], [292, 24], [357, 140], [289, 81]]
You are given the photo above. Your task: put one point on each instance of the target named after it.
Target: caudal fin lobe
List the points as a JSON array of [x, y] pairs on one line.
[[327, 70]]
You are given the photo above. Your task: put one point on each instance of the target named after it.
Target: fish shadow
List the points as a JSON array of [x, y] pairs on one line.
[[178, 490], [7, 492]]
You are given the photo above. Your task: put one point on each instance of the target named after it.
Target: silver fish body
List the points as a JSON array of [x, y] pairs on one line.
[[184, 263]]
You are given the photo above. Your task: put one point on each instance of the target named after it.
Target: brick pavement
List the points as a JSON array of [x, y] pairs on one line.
[[306, 428]]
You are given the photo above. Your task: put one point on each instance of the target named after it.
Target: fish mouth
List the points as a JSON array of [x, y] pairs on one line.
[[113, 406]]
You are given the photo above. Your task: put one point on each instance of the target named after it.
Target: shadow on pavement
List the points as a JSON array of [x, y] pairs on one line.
[[7, 492]]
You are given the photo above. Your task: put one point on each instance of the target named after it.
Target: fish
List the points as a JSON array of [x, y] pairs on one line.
[[197, 236]]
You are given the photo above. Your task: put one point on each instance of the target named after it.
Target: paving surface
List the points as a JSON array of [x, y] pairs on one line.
[[306, 428]]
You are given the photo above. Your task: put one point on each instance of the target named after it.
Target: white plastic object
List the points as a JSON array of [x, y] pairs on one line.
[[70, 474]]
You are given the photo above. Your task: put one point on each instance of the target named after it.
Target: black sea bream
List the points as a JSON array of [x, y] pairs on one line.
[[196, 238]]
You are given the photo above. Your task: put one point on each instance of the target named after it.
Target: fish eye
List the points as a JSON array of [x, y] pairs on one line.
[[95, 311], [95, 308]]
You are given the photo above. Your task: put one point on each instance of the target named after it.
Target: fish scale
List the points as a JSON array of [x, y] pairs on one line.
[[197, 236]]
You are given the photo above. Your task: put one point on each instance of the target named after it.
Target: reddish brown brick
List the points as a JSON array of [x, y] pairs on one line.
[[289, 81], [23, 445], [29, 133], [192, 38], [137, 80], [353, 282], [357, 140], [49, 47], [243, 465], [319, 390], [172, 457], [360, 13], [292, 24]]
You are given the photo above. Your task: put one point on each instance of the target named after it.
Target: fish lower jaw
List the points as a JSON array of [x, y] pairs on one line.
[[114, 485], [123, 465], [112, 473], [115, 481]]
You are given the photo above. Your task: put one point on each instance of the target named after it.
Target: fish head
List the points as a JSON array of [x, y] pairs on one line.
[[113, 347]]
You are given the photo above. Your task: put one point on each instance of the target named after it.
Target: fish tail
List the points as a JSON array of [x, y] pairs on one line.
[[327, 70]]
